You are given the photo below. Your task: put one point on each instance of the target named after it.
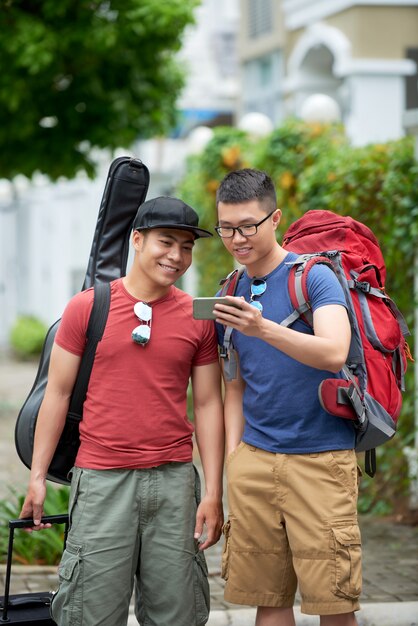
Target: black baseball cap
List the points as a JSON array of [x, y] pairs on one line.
[[166, 212]]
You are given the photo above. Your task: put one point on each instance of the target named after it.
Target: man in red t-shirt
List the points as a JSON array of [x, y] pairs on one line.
[[135, 510]]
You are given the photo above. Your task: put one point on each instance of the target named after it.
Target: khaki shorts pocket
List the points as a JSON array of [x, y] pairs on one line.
[[201, 589], [67, 602], [225, 552], [343, 467], [234, 453], [347, 546]]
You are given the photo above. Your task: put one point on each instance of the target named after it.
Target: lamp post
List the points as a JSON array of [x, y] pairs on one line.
[[410, 122]]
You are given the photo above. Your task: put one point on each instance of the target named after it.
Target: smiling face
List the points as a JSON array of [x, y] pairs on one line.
[[161, 256], [258, 252]]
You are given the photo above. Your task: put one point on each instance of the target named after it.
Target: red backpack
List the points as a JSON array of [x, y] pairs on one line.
[[370, 393]]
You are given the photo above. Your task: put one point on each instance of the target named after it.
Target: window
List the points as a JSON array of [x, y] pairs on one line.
[[260, 17], [411, 82], [265, 72]]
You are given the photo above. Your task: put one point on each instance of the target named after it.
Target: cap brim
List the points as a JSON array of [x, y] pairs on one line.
[[198, 232]]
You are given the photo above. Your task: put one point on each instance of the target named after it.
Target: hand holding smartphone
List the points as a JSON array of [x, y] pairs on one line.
[[203, 307]]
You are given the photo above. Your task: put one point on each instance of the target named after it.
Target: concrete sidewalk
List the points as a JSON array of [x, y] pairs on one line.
[[390, 551]]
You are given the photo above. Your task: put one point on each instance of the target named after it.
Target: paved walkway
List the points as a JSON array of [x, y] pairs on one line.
[[390, 551]]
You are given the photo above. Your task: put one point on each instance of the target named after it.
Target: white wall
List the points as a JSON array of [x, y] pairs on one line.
[[45, 240], [8, 261], [376, 105]]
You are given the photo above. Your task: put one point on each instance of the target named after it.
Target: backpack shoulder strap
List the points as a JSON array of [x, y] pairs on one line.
[[226, 352], [229, 284], [298, 286], [94, 333]]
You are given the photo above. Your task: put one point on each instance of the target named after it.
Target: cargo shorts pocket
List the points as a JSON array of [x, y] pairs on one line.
[[347, 548], [67, 602], [201, 588], [226, 530], [78, 476], [234, 453]]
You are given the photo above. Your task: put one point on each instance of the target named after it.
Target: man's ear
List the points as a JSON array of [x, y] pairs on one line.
[[276, 217], [137, 239]]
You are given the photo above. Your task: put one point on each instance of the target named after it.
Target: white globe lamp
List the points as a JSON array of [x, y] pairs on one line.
[[198, 138], [256, 124], [320, 108]]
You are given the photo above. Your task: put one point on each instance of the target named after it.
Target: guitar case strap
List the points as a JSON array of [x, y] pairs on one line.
[[95, 330]]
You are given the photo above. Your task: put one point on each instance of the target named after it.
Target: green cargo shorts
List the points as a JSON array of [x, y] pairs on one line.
[[126, 527]]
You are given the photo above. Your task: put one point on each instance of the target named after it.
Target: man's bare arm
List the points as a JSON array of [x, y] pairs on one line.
[[327, 349], [209, 429], [62, 374], [233, 412]]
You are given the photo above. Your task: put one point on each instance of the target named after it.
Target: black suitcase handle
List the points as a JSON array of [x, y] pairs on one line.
[[25, 523], [28, 521]]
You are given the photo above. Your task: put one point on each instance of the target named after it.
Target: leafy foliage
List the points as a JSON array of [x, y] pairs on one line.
[[79, 75], [27, 336], [315, 167], [227, 150], [43, 547]]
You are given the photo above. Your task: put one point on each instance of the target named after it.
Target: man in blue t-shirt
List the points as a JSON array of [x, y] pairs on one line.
[[291, 466]]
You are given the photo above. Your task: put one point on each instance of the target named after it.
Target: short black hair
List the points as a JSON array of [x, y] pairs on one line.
[[246, 185]]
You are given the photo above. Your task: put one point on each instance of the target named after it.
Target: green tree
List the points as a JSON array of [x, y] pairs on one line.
[[82, 74]]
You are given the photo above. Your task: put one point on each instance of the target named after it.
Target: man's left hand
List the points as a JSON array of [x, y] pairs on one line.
[[209, 515]]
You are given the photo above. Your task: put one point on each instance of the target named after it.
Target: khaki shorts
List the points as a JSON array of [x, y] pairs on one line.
[[293, 521]]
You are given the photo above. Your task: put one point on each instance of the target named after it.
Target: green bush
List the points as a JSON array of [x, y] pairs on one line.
[[228, 150], [27, 336], [43, 547]]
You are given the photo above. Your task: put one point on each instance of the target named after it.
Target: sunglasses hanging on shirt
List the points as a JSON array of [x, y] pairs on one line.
[[257, 288], [142, 333]]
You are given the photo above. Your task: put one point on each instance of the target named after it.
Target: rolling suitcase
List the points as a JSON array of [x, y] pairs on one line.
[[27, 608]]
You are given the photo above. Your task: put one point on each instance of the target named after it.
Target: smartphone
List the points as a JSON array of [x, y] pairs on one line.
[[203, 307]]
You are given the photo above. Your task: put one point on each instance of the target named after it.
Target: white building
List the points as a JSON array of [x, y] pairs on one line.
[[362, 53]]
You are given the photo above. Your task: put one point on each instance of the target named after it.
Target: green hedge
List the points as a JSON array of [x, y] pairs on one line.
[[27, 336], [315, 167]]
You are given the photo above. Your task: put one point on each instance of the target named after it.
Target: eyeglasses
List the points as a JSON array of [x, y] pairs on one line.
[[257, 288], [247, 230], [142, 333]]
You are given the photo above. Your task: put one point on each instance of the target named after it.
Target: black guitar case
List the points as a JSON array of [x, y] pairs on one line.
[[126, 188]]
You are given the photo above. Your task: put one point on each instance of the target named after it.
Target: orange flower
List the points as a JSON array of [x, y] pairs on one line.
[[316, 129], [287, 180], [230, 156], [212, 186]]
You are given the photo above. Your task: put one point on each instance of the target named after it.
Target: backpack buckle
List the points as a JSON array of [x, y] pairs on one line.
[[363, 286], [223, 352]]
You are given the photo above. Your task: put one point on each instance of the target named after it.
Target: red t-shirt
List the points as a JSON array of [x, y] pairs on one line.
[[135, 410]]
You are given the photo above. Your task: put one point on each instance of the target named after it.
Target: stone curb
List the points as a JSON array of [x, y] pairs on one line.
[[20, 571], [381, 614], [374, 614]]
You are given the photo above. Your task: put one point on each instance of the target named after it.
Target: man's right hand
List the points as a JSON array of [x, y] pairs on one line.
[[33, 506]]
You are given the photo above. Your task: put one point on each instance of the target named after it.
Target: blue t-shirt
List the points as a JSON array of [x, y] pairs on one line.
[[281, 404]]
